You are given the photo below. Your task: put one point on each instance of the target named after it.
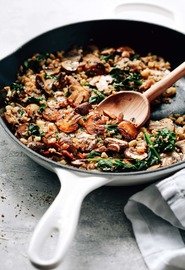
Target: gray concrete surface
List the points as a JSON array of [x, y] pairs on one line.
[[104, 238]]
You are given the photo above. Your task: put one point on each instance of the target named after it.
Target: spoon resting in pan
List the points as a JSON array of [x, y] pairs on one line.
[[135, 106]]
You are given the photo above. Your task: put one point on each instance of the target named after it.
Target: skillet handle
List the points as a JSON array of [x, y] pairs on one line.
[[61, 218], [169, 15]]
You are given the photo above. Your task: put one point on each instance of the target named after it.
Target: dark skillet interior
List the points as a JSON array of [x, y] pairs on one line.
[[142, 37]]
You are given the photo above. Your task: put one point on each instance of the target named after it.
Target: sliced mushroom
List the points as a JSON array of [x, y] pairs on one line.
[[101, 82], [161, 124], [39, 82], [32, 109], [168, 159], [36, 146], [22, 131], [78, 162], [46, 85], [75, 53], [68, 121], [83, 108], [78, 94], [70, 65], [181, 145], [52, 70], [51, 114], [121, 143], [109, 114], [92, 65], [132, 153], [95, 124], [128, 130]]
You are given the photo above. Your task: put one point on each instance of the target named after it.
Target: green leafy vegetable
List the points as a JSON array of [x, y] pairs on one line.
[[37, 100], [98, 97], [115, 165], [125, 79], [93, 154], [33, 130], [113, 129], [42, 108], [16, 86], [165, 140], [151, 147]]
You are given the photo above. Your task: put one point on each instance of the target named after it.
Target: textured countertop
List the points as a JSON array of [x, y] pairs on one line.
[[104, 238]]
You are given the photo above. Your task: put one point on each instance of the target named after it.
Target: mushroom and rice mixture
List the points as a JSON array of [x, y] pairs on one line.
[[51, 108]]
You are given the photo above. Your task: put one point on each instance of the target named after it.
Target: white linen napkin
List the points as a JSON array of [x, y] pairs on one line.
[[157, 215]]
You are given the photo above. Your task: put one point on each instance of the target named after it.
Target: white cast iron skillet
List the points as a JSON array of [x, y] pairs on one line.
[[63, 214]]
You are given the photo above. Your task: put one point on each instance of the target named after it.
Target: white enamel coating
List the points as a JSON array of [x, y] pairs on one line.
[[62, 216]]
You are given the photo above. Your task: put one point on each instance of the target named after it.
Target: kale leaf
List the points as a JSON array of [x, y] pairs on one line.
[[125, 79], [165, 140]]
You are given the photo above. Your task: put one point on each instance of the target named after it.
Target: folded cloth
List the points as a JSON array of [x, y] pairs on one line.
[[157, 215]]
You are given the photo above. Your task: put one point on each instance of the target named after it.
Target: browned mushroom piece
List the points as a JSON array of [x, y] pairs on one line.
[[78, 94], [44, 84], [128, 130], [83, 108], [92, 65], [137, 149], [50, 71], [22, 130], [36, 146], [51, 114], [95, 124], [68, 121], [39, 81]]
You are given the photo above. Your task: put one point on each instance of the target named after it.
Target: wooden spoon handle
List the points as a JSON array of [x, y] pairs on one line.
[[159, 87]]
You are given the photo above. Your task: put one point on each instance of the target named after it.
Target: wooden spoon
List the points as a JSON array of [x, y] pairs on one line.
[[135, 106]]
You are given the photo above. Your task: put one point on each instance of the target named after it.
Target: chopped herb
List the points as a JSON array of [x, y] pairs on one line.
[[57, 136], [16, 86], [112, 128], [98, 97], [33, 130], [42, 108], [37, 100], [125, 79]]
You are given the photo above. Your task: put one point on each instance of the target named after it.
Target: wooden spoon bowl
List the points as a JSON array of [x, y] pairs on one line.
[[135, 106]]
